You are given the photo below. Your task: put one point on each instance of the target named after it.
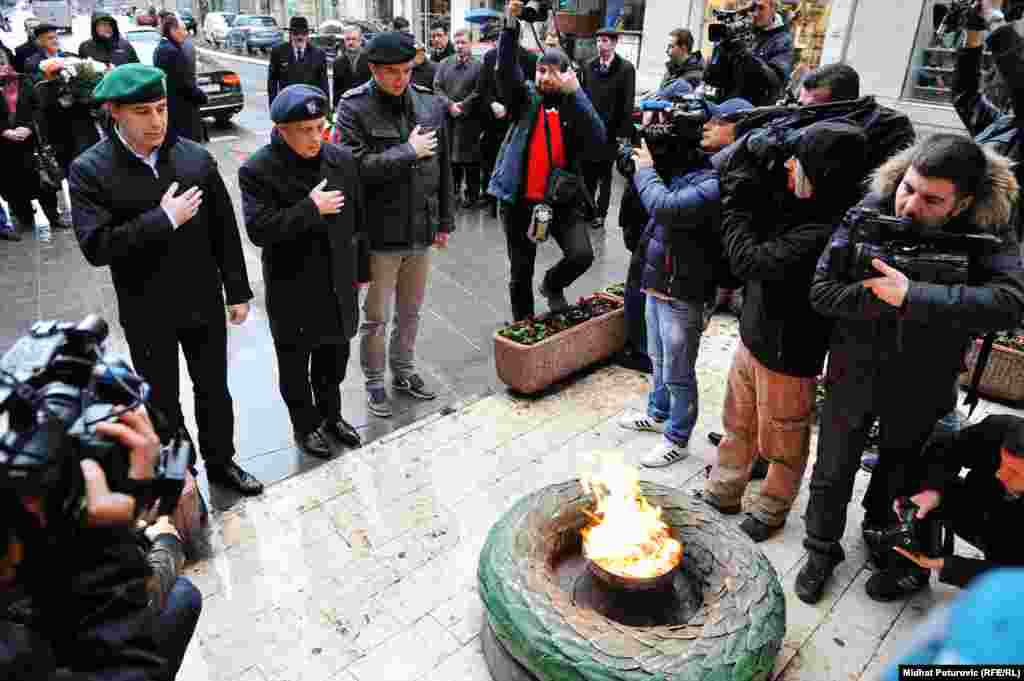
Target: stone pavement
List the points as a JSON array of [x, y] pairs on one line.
[[365, 569]]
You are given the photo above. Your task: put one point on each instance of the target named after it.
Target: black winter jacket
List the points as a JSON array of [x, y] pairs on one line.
[[183, 94], [691, 70], [759, 74], [347, 76], [612, 95], [165, 278], [976, 448], [309, 260], [115, 51], [899, 359], [408, 200]]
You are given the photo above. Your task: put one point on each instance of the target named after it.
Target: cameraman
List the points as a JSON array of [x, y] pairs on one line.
[[553, 123], [989, 125], [676, 264], [757, 72], [984, 508], [773, 248], [82, 607], [898, 345]]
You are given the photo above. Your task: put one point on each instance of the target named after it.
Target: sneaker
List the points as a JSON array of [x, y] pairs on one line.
[[757, 530], [413, 385], [9, 232], [556, 301], [895, 585], [642, 422], [810, 581], [665, 454], [378, 402]]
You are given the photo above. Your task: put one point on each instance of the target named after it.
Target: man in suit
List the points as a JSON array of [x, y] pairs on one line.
[[350, 67], [29, 48], [183, 95], [296, 62]]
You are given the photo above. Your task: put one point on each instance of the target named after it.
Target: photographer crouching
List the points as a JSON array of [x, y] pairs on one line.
[[985, 507], [753, 56], [83, 593], [772, 239], [907, 293], [678, 259]]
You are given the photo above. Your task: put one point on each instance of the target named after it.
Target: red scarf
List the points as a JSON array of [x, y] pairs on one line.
[[537, 166], [11, 96]]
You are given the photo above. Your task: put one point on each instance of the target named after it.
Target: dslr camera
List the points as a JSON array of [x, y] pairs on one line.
[[732, 25], [911, 533], [676, 129], [923, 254], [56, 384], [536, 11]]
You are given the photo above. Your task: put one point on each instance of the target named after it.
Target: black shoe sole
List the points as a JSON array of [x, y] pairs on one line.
[[413, 393]]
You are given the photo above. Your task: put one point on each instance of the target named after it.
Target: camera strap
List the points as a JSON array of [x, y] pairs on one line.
[[587, 195], [973, 396]]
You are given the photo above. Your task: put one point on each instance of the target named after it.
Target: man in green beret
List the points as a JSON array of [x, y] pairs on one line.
[[154, 208]]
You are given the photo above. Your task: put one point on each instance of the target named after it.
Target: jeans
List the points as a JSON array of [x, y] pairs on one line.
[[404, 278], [768, 413], [177, 622], [572, 236], [310, 382], [673, 337]]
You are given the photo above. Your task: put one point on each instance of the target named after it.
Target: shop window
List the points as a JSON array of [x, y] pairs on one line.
[[930, 73], [807, 21], [578, 20]]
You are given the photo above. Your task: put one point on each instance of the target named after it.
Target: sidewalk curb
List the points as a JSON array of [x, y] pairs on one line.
[[237, 57]]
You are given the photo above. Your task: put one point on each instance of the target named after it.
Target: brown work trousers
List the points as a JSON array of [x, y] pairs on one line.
[[768, 413]]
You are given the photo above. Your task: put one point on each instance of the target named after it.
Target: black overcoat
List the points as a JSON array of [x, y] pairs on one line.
[[183, 95], [310, 262]]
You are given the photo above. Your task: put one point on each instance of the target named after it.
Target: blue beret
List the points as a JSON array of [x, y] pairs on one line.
[[393, 47], [131, 84], [298, 103]]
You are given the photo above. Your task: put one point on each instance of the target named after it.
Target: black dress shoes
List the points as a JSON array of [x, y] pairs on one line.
[[315, 443], [344, 431], [232, 476]]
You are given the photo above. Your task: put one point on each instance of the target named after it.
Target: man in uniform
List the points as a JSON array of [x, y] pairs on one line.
[[296, 62], [154, 209], [399, 134], [301, 201]]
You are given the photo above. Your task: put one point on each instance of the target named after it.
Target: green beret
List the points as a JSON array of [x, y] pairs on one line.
[[131, 84]]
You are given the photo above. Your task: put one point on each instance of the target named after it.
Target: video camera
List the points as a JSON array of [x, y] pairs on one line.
[[913, 534], [536, 11], [56, 384], [732, 25], [682, 130], [923, 254], [951, 19]]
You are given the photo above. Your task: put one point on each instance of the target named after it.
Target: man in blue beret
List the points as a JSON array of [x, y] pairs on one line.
[[154, 208], [399, 134], [302, 204]]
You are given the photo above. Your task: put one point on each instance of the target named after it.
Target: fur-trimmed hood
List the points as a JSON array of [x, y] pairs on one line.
[[994, 204]]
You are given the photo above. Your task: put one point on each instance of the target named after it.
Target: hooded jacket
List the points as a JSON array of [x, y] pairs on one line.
[[774, 249], [907, 358], [115, 51], [691, 70]]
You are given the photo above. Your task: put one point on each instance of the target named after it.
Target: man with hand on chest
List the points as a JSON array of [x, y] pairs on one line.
[[302, 204], [296, 62], [153, 207]]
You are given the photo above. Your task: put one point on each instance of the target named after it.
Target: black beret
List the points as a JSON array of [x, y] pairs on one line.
[[43, 28], [299, 103], [393, 47]]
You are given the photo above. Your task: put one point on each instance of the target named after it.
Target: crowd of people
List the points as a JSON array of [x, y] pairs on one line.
[[425, 133]]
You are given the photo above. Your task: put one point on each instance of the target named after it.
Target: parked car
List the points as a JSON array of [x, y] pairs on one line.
[[223, 87], [188, 19], [216, 27], [330, 35], [254, 31]]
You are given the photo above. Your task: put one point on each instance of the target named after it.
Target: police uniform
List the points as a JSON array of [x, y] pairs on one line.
[[286, 68], [309, 267], [172, 281]]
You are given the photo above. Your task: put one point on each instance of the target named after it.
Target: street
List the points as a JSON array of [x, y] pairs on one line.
[[467, 300]]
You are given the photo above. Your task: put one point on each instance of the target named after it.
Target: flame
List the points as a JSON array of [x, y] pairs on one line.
[[627, 536]]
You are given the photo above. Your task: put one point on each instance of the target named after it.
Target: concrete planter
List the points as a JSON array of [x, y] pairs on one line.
[[531, 368]]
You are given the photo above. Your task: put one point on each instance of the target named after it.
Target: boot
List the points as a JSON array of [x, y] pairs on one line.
[[810, 581]]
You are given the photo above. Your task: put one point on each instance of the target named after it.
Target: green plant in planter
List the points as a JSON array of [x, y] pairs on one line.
[[1010, 340], [534, 330], [617, 290]]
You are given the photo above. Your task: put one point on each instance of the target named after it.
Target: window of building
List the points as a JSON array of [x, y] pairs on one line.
[[933, 62], [807, 21]]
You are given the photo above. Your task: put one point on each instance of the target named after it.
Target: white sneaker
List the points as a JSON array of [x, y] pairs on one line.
[[665, 454], [636, 420]]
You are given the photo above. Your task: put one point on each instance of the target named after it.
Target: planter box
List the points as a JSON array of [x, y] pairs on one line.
[[531, 368], [1003, 377]]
